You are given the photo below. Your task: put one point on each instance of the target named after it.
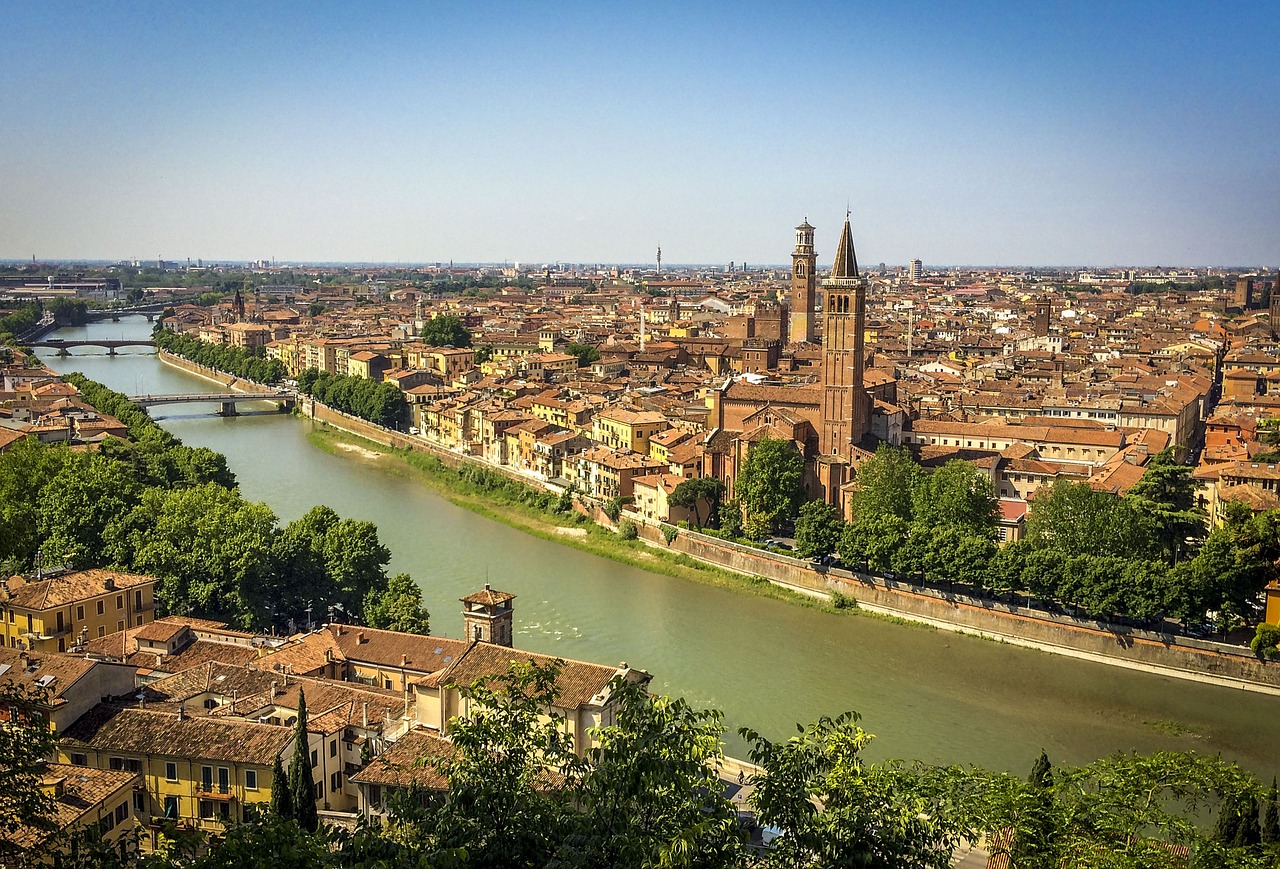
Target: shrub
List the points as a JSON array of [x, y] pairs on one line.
[[627, 530], [842, 601], [613, 509], [669, 533], [1265, 641]]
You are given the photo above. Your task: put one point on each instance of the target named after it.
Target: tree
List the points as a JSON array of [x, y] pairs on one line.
[[281, 795], [1270, 832], [650, 795], [818, 529], [445, 330], [874, 539], [1075, 519], [77, 505], [586, 353], [769, 483], [397, 608], [302, 786], [690, 494], [885, 483], [511, 766], [1166, 495], [956, 494], [837, 810]]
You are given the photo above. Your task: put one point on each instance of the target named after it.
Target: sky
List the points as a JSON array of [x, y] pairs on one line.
[[979, 133]]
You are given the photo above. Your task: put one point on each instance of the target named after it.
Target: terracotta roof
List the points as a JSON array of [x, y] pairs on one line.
[[147, 731], [578, 682], [488, 597], [421, 654], [71, 587], [82, 791], [402, 764]]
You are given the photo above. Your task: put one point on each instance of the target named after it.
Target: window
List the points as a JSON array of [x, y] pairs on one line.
[[333, 748], [120, 625], [206, 810], [206, 779], [251, 779], [171, 807], [313, 760], [80, 613], [170, 771], [119, 601], [140, 802], [224, 780], [102, 630], [108, 823], [319, 790], [101, 607], [79, 760], [335, 781], [122, 811], [137, 599], [138, 621]]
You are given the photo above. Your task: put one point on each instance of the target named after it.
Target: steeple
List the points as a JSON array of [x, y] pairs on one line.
[[846, 264]]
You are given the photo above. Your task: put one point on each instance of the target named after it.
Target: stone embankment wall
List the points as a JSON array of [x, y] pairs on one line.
[[1183, 657], [220, 377]]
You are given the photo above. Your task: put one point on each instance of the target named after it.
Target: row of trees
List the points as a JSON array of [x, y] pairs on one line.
[[1141, 556], [158, 507], [519, 795], [232, 360], [380, 403]]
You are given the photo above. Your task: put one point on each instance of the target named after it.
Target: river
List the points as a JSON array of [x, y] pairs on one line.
[[931, 695]]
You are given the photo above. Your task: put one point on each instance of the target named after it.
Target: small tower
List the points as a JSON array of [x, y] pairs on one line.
[[487, 616], [659, 259]]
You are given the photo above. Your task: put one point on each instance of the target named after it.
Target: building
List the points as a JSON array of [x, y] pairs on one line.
[[54, 613], [99, 802], [915, 270], [846, 408], [804, 285]]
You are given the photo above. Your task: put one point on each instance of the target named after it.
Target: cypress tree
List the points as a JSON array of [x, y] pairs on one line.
[[301, 782], [1042, 772], [1271, 816], [281, 797], [1247, 833], [1227, 828]]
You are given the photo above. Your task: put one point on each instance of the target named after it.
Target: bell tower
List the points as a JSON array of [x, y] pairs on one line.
[[487, 616], [846, 408], [804, 285]]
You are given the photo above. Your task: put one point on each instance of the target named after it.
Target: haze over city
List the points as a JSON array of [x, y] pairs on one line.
[[1136, 133]]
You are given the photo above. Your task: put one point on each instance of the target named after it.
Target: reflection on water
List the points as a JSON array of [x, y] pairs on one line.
[[927, 694]]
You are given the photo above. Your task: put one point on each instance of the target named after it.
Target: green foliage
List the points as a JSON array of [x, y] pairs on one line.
[[842, 601], [445, 330], [586, 353], [691, 494], [956, 495], [1166, 496], [612, 508], [837, 810], [397, 608], [769, 484], [885, 483], [379, 403], [669, 533], [1074, 519], [483, 354], [1265, 641], [281, 795], [873, 538], [302, 785], [731, 519], [232, 360], [818, 529], [69, 312], [627, 530]]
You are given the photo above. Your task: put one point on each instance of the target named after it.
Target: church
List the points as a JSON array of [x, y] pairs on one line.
[[837, 422]]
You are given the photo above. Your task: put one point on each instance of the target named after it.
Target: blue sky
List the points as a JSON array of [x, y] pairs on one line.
[[960, 133]]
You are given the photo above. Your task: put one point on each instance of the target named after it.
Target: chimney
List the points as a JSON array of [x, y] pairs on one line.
[[182, 712], [274, 687], [109, 584], [365, 713], [360, 637], [404, 660]]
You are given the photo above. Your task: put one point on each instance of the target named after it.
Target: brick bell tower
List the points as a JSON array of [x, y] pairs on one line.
[[846, 408], [804, 285]]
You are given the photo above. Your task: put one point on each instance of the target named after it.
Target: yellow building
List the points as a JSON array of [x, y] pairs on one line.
[[103, 800], [55, 612], [202, 771], [623, 429], [1273, 603]]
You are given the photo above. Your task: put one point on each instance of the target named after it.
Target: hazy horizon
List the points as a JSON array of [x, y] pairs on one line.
[[994, 133]]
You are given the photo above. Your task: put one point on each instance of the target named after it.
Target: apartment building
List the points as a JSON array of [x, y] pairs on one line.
[[55, 611]]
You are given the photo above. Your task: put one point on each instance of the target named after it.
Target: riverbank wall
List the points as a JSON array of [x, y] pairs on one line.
[[1167, 654], [230, 381]]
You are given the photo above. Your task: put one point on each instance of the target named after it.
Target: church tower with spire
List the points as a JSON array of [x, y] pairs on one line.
[[846, 407], [804, 285]]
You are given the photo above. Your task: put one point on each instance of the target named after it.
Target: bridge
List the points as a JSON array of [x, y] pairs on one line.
[[62, 346], [227, 400], [149, 311]]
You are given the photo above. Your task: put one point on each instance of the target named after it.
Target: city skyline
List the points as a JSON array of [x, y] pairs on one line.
[[996, 135]]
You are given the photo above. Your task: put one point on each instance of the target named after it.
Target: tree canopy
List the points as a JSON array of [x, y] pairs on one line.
[[770, 482]]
